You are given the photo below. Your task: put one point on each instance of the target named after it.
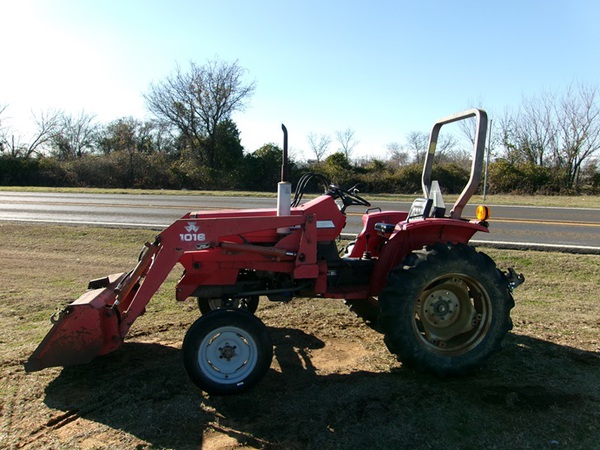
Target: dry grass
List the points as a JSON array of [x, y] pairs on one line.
[[332, 384]]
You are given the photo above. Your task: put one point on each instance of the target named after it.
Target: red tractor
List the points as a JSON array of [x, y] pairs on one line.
[[443, 307]]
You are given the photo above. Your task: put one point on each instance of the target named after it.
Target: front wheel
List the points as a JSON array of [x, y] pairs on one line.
[[446, 309], [227, 351]]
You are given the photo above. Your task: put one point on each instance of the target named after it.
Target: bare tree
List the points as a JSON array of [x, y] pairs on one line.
[[75, 136], [47, 124], [578, 129], [397, 155], [556, 130], [162, 136], [197, 101], [468, 127], [418, 143], [347, 142], [318, 144], [528, 135]]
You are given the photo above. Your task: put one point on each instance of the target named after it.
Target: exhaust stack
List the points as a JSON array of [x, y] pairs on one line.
[[284, 187]]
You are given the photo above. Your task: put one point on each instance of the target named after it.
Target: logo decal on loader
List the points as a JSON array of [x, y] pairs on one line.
[[192, 234], [192, 227]]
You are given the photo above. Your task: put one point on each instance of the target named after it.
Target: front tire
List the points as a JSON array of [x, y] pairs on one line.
[[446, 309], [227, 351]]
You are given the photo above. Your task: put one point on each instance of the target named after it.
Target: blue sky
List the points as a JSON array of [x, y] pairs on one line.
[[381, 68]]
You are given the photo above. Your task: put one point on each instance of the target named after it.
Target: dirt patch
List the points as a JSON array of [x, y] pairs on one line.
[[321, 392], [339, 356]]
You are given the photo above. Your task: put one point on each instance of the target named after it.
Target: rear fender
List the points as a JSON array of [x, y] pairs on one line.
[[415, 235]]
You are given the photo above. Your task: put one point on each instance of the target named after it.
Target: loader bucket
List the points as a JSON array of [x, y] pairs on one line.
[[86, 328]]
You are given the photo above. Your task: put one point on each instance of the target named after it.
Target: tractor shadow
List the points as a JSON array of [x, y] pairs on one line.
[[143, 390]]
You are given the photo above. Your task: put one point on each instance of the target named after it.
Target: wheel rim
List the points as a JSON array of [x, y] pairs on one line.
[[227, 355], [452, 314]]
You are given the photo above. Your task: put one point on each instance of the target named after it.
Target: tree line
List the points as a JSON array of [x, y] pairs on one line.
[[548, 144]]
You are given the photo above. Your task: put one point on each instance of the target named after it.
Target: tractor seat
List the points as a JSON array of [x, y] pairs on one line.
[[385, 228]]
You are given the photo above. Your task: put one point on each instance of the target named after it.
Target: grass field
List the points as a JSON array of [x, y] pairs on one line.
[[332, 385]]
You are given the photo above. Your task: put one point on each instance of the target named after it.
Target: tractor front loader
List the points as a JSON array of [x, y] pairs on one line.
[[443, 307]]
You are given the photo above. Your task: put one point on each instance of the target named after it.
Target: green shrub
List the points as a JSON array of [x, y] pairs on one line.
[[519, 178], [18, 171]]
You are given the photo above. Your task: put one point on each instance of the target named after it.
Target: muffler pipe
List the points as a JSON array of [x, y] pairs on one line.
[[284, 187]]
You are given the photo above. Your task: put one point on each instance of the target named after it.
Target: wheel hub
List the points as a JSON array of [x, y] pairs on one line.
[[446, 311], [227, 352], [441, 308]]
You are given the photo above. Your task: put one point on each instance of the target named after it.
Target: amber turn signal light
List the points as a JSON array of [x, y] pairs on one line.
[[482, 213]]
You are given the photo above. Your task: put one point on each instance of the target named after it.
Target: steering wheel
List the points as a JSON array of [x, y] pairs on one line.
[[348, 197]]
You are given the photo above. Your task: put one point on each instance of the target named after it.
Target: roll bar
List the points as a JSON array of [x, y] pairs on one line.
[[478, 155]]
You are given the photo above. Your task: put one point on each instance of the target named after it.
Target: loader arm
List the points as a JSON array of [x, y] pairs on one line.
[[98, 321]]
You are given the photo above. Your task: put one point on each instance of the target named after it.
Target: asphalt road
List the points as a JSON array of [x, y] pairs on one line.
[[575, 229]]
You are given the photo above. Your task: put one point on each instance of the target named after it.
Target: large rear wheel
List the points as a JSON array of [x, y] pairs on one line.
[[446, 309], [227, 351]]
